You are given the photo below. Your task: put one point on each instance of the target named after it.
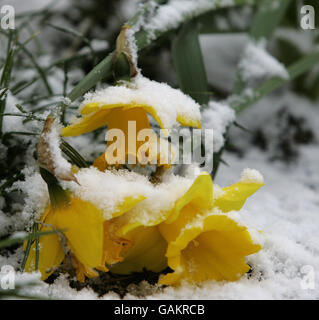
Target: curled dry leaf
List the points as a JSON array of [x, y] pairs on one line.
[[49, 152], [124, 46]]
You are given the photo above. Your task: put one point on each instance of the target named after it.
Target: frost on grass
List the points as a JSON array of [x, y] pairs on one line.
[[257, 64], [217, 116], [171, 14], [12, 123], [168, 103]]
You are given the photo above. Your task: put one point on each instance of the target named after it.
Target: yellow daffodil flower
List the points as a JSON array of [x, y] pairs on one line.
[[83, 238], [200, 239], [117, 106]]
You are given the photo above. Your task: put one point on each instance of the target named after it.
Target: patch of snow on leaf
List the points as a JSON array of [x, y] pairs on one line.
[[257, 63], [171, 14], [53, 138], [217, 116]]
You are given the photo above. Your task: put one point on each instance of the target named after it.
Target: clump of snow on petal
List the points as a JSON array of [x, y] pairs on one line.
[[251, 176], [107, 190]]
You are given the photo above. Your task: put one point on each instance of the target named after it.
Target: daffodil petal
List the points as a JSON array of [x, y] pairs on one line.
[[188, 122], [86, 124], [234, 196], [197, 198], [84, 231], [200, 195], [96, 107], [127, 204], [94, 117]]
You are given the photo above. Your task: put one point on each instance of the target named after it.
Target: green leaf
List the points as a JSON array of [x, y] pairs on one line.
[[268, 17], [189, 64], [101, 71]]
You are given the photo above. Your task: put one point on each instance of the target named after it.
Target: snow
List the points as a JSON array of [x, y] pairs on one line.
[[167, 102], [89, 151], [95, 45], [5, 223], [221, 55], [251, 176], [67, 101], [53, 139], [107, 190], [257, 63], [19, 235], [36, 195], [12, 123], [217, 116], [130, 37], [170, 15]]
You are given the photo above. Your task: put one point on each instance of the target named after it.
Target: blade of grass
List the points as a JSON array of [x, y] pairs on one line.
[[6, 72], [12, 241], [29, 238], [68, 150], [27, 249], [267, 18], [36, 232], [42, 72], [77, 34], [188, 63]]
